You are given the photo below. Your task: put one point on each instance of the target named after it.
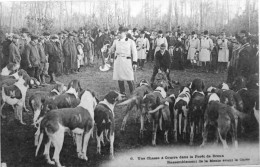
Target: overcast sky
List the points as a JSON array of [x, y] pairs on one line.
[[137, 5]]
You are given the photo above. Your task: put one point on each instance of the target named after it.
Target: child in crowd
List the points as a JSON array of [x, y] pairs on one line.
[[80, 56]]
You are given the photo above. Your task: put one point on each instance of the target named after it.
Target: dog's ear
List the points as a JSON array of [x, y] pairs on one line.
[[81, 93], [202, 85], [111, 97], [69, 85], [79, 87]]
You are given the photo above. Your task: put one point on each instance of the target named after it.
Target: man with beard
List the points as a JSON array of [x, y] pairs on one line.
[[33, 58], [70, 54], [240, 60]]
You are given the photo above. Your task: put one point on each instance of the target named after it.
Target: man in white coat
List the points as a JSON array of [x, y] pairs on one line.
[[193, 46], [143, 49], [125, 61], [223, 53], [206, 45]]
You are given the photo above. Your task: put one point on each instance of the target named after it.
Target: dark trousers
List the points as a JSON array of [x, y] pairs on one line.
[[34, 72], [141, 63], [122, 86], [155, 71]]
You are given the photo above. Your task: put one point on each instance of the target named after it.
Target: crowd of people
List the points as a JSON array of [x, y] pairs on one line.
[[49, 55]]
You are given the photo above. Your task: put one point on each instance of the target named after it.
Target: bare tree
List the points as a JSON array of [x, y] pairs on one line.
[[11, 18]]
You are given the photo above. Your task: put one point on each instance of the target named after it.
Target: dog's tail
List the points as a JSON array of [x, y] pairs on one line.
[[127, 101], [156, 109], [241, 115]]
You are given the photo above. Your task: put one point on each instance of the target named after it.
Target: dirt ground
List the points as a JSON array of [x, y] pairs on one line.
[[17, 141]]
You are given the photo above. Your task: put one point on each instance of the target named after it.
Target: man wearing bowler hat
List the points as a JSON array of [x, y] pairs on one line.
[[162, 63], [25, 39], [125, 60]]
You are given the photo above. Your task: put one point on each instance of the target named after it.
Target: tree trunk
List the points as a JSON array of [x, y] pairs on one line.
[[228, 11], [11, 18], [201, 16], [170, 15], [176, 13], [1, 14]]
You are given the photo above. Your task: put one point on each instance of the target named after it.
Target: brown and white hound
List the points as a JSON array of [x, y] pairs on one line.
[[79, 120]]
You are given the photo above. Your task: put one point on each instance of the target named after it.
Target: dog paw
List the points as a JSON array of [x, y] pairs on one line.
[[51, 162], [3, 116], [191, 143], [202, 145]]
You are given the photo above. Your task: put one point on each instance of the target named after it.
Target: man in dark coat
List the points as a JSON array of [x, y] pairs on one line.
[[240, 64], [54, 56], [14, 53], [23, 42], [162, 62], [43, 59], [33, 58], [70, 54], [99, 44], [5, 50]]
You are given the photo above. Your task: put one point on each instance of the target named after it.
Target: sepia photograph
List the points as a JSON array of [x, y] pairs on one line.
[[129, 83]]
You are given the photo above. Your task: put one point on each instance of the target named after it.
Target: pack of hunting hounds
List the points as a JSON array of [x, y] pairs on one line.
[[187, 115]]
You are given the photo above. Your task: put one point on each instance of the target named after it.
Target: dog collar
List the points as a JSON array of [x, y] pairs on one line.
[[55, 91], [201, 92]]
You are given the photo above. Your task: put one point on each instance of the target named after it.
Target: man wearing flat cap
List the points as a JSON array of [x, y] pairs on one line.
[[160, 40], [54, 51], [33, 58], [125, 60], [14, 53], [70, 54]]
